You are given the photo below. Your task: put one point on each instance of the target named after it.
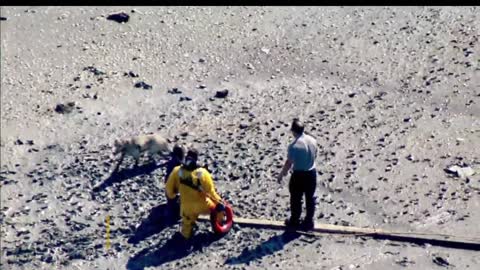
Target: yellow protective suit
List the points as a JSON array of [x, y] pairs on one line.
[[192, 185]]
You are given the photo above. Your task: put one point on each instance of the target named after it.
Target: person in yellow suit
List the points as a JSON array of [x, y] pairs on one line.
[[197, 192]]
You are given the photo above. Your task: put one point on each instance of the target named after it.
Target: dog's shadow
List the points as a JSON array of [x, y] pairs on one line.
[[156, 222], [119, 176], [174, 249]]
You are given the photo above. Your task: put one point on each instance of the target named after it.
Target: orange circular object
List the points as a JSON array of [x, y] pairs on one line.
[[219, 226]]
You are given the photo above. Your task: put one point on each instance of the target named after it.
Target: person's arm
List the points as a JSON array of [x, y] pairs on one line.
[[172, 184], [208, 187], [288, 164]]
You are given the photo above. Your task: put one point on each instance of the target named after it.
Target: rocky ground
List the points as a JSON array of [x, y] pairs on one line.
[[392, 95]]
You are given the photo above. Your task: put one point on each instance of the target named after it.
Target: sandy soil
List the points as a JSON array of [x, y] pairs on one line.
[[391, 94]]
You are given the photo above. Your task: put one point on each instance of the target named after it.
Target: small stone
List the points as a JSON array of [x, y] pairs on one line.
[[351, 95], [201, 60], [201, 86], [222, 93], [249, 66], [94, 70], [18, 142], [63, 109], [438, 260], [185, 99], [243, 126], [131, 74], [3, 19], [411, 157], [143, 85], [121, 17], [462, 172], [174, 91], [30, 142]]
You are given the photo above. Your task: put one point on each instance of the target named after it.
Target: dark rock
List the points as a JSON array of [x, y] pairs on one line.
[[222, 93], [174, 91], [131, 74], [18, 142], [3, 19], [143, 85], [121, 17], [185, 99], [243, 126], [30, 142], [94, 70], [440, 261], [62, 108], [201, 60], [351, 95], [46, 258]]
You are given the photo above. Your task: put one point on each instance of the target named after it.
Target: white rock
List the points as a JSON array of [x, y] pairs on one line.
[[462, 172]]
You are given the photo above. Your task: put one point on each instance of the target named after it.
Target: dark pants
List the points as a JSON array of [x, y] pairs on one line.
[[302, 182]]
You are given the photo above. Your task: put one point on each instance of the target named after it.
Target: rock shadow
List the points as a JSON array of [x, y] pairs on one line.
[[269, 247]]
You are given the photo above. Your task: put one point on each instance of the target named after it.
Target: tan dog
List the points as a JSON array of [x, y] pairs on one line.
[[134, 147]]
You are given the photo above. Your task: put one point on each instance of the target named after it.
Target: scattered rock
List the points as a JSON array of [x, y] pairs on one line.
[[174, 91], [94, 70], [143, 85], [121, 17], [438, 260], [222, 93], [63, 109], [249, 66], [462, 172], [243, 126], [130, 74], [185, 99]]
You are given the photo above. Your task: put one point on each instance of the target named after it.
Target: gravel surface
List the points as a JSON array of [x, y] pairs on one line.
[[392, 95]]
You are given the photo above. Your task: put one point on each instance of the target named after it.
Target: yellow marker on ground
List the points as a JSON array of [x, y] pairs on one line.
[[107, 244]]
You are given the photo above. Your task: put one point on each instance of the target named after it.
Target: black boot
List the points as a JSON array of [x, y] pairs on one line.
[[291, 224], [307, 225]]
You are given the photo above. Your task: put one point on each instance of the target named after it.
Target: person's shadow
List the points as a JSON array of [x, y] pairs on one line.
[[156, 222], [175, 248], [272, 245]]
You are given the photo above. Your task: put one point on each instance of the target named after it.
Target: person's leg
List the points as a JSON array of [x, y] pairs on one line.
[[310, 187], [188, 221], [295, 199], [173, 209]]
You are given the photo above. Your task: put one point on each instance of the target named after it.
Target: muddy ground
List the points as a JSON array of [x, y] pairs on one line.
[[391, 94]]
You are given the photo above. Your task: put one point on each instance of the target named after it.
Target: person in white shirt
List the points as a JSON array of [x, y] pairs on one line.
[[302, 153]]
